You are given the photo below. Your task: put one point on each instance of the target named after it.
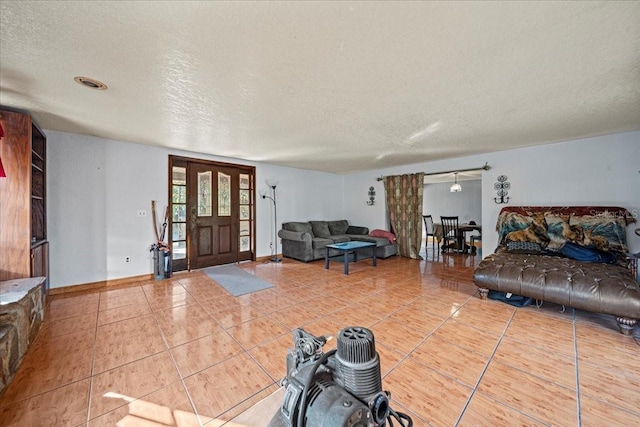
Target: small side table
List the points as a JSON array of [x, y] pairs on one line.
[[633, 264], [346, 248]]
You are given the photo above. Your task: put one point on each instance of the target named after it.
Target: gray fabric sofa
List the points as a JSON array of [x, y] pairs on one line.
[[306, 241]]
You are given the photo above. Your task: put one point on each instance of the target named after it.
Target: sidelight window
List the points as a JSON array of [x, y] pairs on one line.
[[179, 212]]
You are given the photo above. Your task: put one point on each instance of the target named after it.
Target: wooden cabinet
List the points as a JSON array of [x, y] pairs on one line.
[[40, 260], [24, 251]]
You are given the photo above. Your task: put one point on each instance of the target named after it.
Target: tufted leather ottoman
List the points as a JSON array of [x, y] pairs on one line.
[[601, 288]]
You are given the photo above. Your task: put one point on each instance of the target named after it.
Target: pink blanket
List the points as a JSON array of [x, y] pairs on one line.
[[382, 233]]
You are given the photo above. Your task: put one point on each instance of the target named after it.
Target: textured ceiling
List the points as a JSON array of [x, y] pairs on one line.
[[328, 86]]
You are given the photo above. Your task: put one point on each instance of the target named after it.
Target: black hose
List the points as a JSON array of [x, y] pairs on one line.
[[303, 402], [399, 416]]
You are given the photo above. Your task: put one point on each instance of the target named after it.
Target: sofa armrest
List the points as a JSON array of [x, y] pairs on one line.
[[298, 236], [353, 229]]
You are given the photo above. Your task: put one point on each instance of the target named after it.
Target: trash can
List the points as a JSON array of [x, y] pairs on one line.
[[158, 262], [167, 264]]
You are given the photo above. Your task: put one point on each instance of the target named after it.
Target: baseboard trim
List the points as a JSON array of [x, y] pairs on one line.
[[122, 282], [104, 284]]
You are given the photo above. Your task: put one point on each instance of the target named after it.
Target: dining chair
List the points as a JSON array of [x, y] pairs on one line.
[[450, 232], [428, 226], [475, 238]]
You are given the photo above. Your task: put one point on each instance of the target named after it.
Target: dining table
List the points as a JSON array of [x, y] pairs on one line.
[[463, 229]]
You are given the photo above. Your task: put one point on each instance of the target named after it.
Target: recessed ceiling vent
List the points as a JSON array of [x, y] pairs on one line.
[[90, 83]]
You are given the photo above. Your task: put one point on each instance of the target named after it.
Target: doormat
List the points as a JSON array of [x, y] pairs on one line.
[[236, 280]]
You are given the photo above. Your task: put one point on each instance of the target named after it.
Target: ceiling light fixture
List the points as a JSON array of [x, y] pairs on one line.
[[90, 83], [456, 188]]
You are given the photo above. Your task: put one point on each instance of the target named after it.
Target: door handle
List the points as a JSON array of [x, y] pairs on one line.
[[194, 219]]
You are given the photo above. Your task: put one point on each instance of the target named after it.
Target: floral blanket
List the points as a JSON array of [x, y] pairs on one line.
[[551, 227]]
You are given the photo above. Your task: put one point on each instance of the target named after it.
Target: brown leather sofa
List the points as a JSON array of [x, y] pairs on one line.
[[545, 275]]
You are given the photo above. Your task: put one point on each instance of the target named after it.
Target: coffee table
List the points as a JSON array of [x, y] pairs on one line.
[[346, 248]]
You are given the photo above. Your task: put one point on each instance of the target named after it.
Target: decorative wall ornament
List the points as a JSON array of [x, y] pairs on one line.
[[372, 196], [502, 186]]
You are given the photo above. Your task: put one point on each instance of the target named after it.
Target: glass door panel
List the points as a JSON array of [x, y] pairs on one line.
[[224, 194], [179, 212], [204, 193], [246, 209]]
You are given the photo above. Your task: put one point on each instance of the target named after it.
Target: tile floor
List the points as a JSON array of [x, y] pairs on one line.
[[187, 347]]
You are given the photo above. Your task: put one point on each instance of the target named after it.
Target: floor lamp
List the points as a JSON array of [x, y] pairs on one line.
[[273, 184]]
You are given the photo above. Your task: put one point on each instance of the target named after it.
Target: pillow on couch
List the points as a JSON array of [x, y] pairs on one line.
[[304, 227], [383, 233], [320, 228], [531, 248], [338, 227]]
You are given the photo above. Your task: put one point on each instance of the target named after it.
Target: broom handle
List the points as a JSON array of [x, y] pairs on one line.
[[155, 220], [164, 224]]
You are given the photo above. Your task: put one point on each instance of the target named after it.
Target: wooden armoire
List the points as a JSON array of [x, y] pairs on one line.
[[24, 249]]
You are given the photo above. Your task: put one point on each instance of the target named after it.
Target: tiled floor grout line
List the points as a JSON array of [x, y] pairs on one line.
[[93, 358], [244, 350], [242, 402], [175, 364], [484, 370], [577, 368], [167, 349], [421, 342]]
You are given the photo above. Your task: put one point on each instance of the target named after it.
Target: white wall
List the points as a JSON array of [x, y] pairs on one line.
[[95, 187], [438, 200], [592, 171]]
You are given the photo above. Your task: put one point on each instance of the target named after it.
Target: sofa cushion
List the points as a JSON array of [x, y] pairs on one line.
[[354, 229], [340, 238], [320, 228], [379, 241], [320, 242], [338, 227], [603, 288], [384, 251], [298, 226]]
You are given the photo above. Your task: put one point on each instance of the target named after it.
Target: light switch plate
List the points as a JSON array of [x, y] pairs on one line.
[[142, 213]]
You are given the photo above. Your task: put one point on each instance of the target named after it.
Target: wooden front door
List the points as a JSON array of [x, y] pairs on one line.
[[218, 220], [214, 217]]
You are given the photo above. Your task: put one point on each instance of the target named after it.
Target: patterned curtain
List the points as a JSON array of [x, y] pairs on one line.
[[404, 202]]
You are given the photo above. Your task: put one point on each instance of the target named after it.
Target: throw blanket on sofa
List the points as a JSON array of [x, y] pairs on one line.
[[601, 228], [383, 233], [521, 267]]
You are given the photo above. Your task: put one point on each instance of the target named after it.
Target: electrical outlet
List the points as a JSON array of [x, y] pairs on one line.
[[141, 213], [127, 259], [271, 244]]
